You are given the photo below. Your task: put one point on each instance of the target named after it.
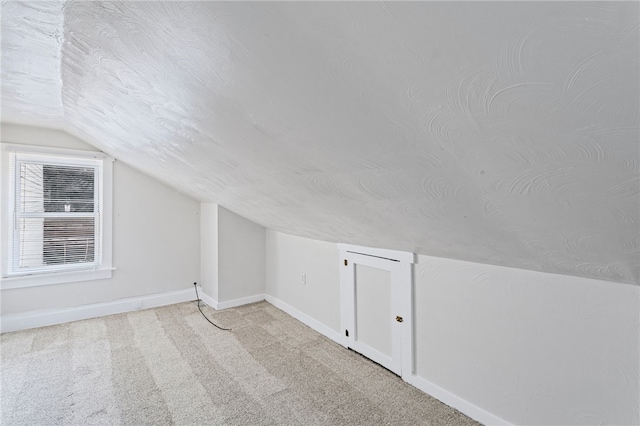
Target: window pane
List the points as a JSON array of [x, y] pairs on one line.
[[30, 244], [68, 189], [68, 240], [53, 188], [31, 189], [56, 241]]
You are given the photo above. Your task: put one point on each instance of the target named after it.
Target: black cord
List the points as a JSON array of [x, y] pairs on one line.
[[195, 285]]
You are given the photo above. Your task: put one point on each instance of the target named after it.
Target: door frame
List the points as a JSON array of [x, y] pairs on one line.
[[400, 264]]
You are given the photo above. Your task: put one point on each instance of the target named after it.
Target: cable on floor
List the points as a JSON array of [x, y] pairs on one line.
[[195, 285]]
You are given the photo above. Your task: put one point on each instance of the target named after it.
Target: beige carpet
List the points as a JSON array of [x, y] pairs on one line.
[[169, 366]]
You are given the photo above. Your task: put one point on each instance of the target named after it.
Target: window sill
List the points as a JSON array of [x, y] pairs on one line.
[[21, 281]]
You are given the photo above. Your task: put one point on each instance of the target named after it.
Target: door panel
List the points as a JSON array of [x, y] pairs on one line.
[[371, 301], [376, 305], [373, 308]]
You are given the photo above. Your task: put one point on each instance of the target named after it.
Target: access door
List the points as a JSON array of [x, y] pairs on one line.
[[374, 308]]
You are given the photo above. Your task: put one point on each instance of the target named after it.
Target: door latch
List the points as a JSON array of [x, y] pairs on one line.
[[399, 318]]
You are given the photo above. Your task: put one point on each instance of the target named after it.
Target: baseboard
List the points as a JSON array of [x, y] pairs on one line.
[[462, 405], [210, 301], [435, 391], [33, 319], [305, 319], [242, 301]]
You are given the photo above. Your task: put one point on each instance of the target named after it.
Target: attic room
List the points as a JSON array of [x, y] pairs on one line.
[[397, 212]]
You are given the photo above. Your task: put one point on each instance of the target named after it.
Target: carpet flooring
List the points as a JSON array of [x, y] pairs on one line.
[[168, 365]]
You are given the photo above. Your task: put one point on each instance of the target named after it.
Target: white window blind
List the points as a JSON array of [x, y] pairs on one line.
[[56, 208]]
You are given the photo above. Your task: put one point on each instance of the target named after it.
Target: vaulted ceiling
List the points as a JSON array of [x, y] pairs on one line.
[[496, 132]]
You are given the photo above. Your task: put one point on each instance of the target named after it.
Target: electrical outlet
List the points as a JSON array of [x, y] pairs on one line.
[[303, 279]]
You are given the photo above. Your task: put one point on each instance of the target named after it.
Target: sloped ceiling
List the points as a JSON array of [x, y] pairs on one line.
[[503, 133]]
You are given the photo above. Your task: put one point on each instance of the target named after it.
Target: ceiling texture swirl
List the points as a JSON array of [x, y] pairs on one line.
[[504, 133]]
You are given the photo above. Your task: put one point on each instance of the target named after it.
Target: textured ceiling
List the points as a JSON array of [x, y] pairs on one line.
[[503, 133]]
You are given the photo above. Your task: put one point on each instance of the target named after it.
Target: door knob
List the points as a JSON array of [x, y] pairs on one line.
[[399, 318]]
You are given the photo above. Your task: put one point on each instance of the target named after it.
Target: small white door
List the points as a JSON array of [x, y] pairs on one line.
[[372, 308]]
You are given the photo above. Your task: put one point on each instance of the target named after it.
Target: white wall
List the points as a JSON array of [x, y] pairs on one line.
[[526, 347], [241, 257], [156, 238], [529, 347], [209, 249], [289, 257]]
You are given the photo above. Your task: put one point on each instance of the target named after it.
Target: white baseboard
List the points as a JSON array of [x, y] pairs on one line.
[[462, 405], [210, 301], [32, 319], [305, 319], [242, 301], [435, 391], [22, 321]]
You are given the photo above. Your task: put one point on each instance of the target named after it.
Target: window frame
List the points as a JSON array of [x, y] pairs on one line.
[[47, 155]]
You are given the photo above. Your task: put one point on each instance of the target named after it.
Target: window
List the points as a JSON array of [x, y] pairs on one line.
[[57, 216]]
